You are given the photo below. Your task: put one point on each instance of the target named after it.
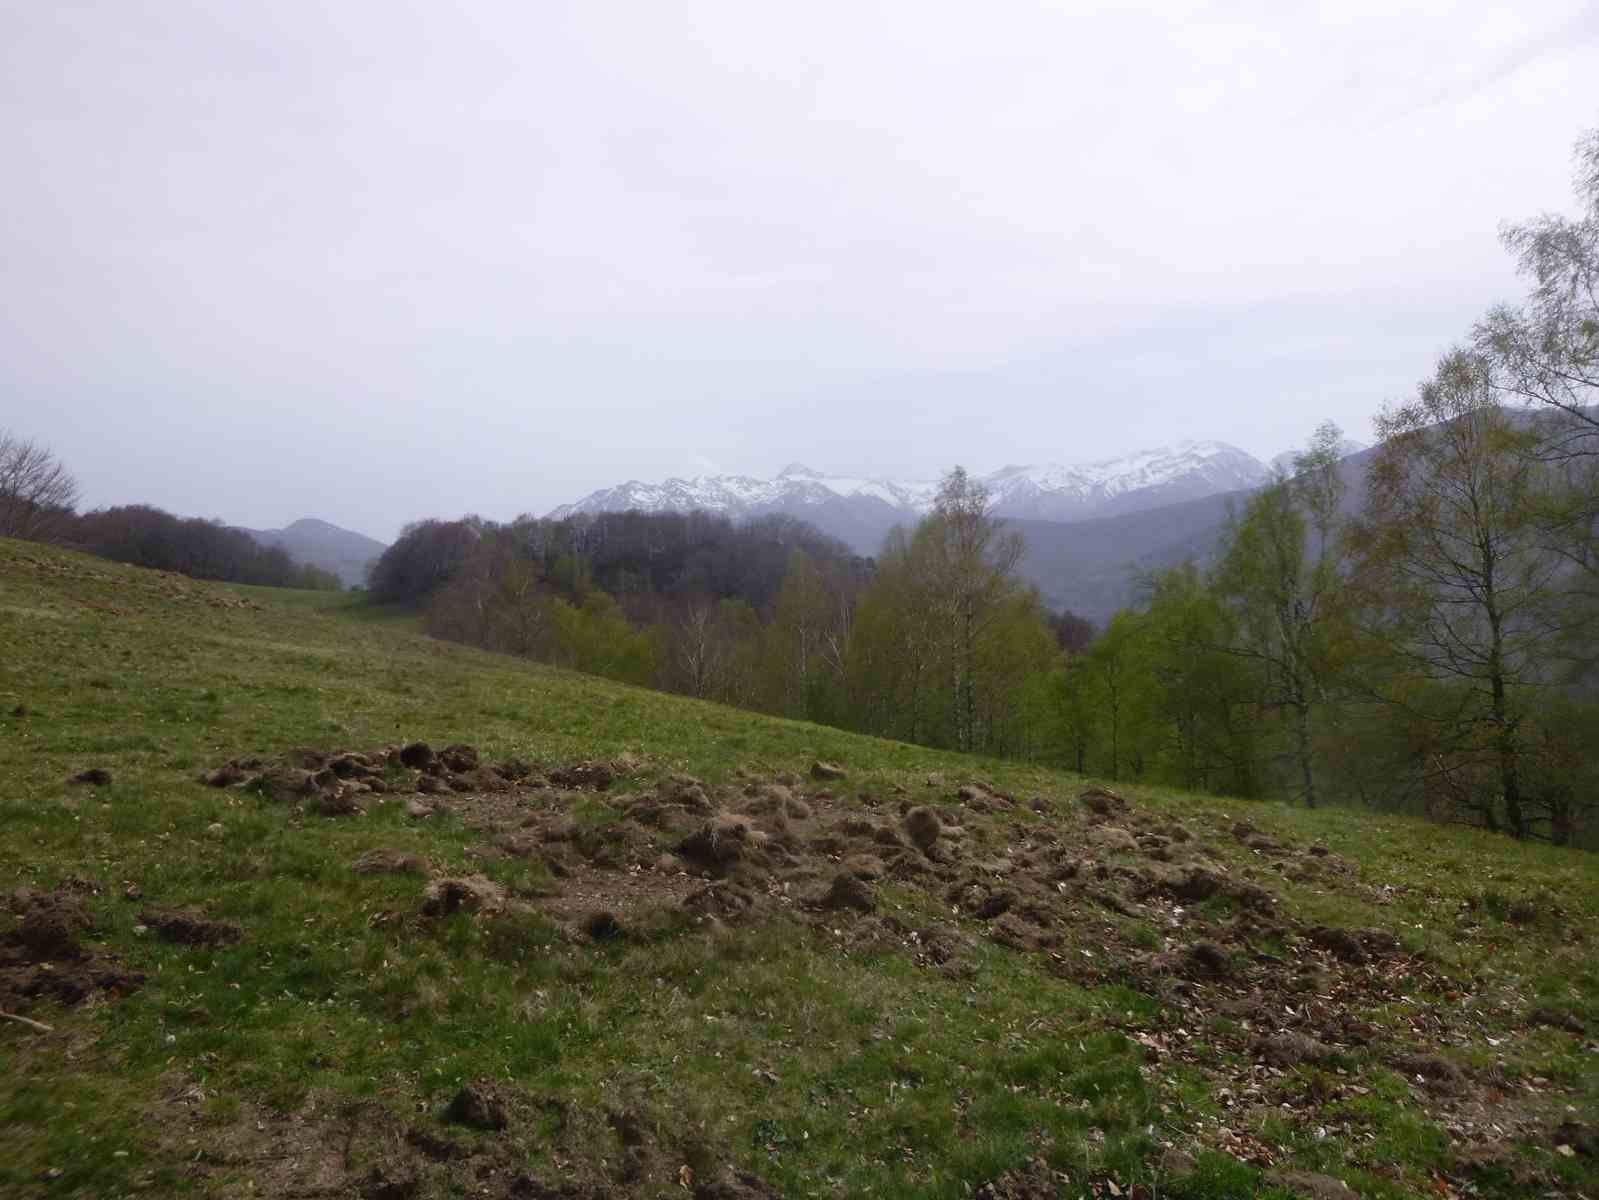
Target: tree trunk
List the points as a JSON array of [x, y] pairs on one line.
[[1302, 736]]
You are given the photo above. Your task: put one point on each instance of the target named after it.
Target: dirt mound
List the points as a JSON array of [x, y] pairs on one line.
[[724, 844], [1102, 802], [478, 1106], [190, 927], [345, 782], [1353, 946], [849, 891], [469, 893], [386, 860], [42, 958], [923, 827], [593, 775]]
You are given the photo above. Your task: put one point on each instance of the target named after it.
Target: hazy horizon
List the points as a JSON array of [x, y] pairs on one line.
[[380, 262]]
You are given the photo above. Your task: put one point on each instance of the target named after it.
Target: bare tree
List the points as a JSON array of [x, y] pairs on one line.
[[1548, 348], [36, 492], [1450, 553]]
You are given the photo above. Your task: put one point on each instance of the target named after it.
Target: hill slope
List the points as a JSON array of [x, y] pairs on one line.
[[580, 972]]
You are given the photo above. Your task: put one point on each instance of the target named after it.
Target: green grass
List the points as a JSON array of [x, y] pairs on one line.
[[826, 1068]]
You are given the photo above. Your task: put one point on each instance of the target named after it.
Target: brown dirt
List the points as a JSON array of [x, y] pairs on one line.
[[386, 860], [469, 893], [42, 958], [478, 1106], [345, 782], [190, 927]]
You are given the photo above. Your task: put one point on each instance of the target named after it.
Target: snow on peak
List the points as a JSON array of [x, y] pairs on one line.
[[1054, 491]]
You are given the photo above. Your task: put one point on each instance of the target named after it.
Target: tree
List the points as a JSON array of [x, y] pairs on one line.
[[427, 556], [892, 663], [1113, 673], [1456, 583], [1282, 570], [974, 563], [808, 632], [37, 494], [1199, 694], [1548, 348]]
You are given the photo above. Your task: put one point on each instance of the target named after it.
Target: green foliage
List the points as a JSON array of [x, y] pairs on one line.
[[595, 637], [947, 647]]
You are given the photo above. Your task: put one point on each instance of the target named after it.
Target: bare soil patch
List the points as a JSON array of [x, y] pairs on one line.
[[43, 957]]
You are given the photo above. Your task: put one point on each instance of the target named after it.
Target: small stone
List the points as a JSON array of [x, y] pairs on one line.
[[215, 831]]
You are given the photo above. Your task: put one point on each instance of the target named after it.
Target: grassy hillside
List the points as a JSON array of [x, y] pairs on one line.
[[635, 949]]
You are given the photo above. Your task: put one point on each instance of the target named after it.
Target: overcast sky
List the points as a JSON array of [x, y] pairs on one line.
[[372, 261]]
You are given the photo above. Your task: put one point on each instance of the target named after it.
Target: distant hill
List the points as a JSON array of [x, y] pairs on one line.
[[342, 551], [1091, 567], [860, 510]]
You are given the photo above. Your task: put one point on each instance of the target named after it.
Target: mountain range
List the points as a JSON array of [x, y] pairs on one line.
[[860, 509], [342, 551], [1090, 527]]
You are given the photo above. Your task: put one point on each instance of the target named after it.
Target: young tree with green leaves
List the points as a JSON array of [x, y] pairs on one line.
[[1282, 572], [1200, 695], [973, 566]]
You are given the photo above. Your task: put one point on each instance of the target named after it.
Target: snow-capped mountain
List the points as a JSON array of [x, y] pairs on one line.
[[860, 510]]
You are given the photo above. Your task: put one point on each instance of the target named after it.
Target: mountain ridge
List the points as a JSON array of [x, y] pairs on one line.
[[861, 509]]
